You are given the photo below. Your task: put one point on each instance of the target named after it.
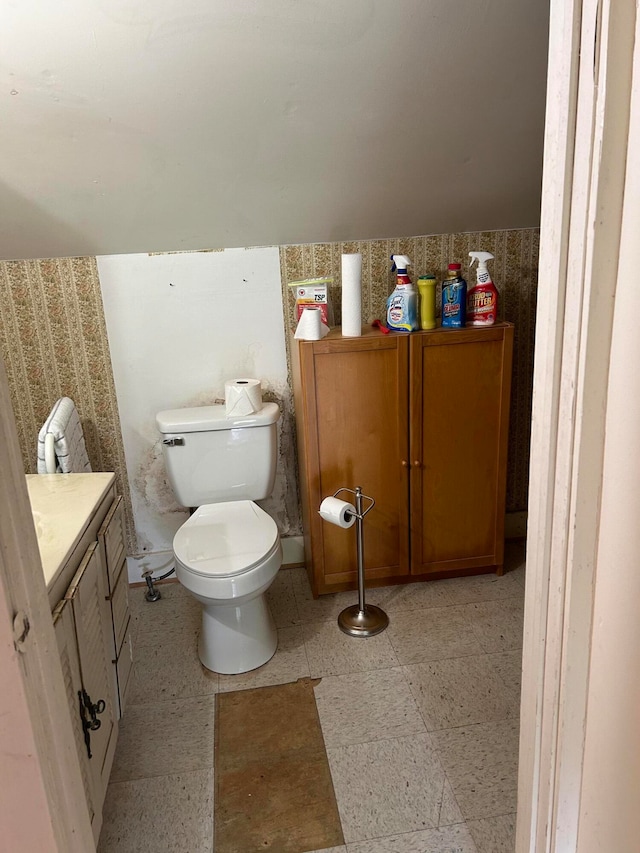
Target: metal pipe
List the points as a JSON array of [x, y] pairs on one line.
[[360, 549]]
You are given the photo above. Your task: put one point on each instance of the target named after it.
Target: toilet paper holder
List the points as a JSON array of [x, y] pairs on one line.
[[361, 619]]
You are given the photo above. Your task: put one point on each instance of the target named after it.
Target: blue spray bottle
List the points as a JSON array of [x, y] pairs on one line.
[[402, 305]]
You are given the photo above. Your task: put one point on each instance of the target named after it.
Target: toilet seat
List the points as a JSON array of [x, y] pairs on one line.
[[226, 539]]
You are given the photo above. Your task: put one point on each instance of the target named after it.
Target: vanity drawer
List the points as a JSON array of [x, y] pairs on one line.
[[124, 668], [111, 534], [120, 605]]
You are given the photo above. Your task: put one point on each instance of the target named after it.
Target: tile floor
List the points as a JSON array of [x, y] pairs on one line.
[[420, 723]]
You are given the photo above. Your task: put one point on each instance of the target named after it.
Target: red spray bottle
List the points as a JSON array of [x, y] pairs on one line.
[[482, 299]]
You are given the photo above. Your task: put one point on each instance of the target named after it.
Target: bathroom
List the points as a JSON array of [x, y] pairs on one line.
[[153, 264]]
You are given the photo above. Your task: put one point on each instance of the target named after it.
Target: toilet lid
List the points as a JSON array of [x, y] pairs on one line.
[[225, 539]]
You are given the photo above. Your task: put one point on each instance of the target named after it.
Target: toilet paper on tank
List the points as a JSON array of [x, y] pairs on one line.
[[242, 397], [338, 512]]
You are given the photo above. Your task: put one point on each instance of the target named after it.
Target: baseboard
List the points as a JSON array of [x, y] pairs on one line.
[[292, 551], [515, 525]]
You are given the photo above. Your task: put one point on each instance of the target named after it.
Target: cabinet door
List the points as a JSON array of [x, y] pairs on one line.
[[356, 416], [65, 632], [92, 623], [460, 387]]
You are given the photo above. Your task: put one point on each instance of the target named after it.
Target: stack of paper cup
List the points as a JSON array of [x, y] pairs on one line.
[[310, 326], [351, 295], [242, 397]]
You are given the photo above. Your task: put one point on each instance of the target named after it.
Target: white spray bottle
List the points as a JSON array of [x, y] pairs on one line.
[[402, 305]]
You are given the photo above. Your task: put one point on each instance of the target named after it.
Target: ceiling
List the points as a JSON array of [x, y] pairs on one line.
[[157, 125]]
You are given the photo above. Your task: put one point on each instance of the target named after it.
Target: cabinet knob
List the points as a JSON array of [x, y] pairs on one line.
[[416, 464], [405, 464]]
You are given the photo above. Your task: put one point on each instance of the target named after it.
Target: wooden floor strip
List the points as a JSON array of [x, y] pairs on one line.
[[273, 785]]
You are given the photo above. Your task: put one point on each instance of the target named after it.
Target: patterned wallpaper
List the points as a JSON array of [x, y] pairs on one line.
[[53, 341], [515, 273], [53, 338]]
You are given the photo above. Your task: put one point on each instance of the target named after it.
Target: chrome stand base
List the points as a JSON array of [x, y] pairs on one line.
[[363, 623]]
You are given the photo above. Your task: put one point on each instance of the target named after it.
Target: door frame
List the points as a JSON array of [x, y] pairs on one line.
[[591, 59], [43, 804]]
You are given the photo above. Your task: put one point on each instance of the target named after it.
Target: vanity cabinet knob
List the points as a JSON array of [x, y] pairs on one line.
[[416, 464], [405, 464]]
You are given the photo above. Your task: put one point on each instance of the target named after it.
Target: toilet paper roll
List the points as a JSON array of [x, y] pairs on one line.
[[310, 326], [351, 295], [242, 397], [338, 512]]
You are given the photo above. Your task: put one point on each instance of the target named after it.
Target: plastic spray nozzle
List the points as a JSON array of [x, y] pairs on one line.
[[400, 263], [481, 258]]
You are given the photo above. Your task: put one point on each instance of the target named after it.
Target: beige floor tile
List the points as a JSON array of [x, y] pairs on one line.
[[288, 664], [168, 667], [449, 839], [331, 652], [397, 598], [481, 763], [326, 607], [366, 706], [166, 738], [494, 834], [450, 810], [175, 612], [410, 596], [422, 635], [387, 787], [482, 588], [509, 667], [498, 625], [282, 601], [459, 691], [330, 850], [167, 813]]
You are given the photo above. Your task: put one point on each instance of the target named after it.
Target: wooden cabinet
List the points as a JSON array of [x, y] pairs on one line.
[[419, 421]]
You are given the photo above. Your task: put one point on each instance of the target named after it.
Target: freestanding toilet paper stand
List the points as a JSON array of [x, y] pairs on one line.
[[361, 619]]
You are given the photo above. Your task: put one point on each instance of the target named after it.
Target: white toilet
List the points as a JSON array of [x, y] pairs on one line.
[[228, 552]]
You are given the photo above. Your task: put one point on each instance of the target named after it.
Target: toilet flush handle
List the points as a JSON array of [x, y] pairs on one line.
[[172, 442]]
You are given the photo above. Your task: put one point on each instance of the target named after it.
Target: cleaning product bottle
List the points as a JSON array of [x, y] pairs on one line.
[[454, 298], [402, 305], [427, 290], [482, 300]]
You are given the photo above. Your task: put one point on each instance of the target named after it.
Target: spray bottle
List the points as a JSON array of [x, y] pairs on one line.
[[454, 298], [402, 305], [482, 300]]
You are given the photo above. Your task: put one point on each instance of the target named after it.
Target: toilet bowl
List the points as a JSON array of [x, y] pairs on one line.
[[227, 556]]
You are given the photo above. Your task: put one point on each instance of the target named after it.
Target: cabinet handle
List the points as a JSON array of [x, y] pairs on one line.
[[416, 464], [405, 464]]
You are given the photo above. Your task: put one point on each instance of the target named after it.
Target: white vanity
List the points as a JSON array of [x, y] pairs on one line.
[[79, 522]]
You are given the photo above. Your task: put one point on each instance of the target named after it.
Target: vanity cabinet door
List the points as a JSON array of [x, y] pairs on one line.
[[65, 631], [91, 611]]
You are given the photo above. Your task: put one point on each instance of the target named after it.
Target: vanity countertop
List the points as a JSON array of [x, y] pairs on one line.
[[62, 506]]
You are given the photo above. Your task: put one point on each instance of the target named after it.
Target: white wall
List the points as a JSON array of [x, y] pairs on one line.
[[156, 125], [179, 325]]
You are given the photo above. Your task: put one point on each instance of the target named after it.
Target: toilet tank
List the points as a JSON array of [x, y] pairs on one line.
[[211, 458]]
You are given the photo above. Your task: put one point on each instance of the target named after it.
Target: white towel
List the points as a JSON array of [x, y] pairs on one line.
[[68, 441]]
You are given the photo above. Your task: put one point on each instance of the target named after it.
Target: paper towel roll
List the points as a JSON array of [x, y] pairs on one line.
[[351, 298], [338, 512], [242, 397]]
